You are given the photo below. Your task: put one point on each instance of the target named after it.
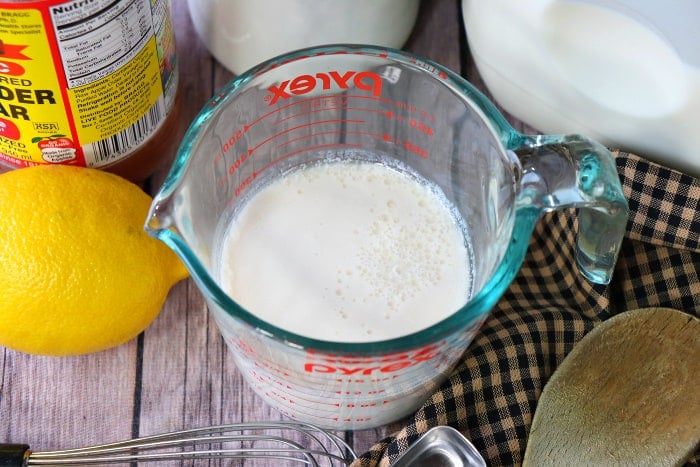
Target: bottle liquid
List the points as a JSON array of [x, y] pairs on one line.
[[623, 72], [243, 33], [90, 83]]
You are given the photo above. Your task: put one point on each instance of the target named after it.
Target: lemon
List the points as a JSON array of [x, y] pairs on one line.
[[78, 274]]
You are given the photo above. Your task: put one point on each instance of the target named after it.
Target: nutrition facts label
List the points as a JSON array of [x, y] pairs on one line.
[[96, 43], [83, 82]]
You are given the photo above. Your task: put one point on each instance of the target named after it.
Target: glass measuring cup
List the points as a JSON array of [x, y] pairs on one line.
[[358, 102]]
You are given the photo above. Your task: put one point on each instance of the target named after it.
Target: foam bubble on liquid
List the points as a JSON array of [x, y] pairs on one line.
[[362, 252]]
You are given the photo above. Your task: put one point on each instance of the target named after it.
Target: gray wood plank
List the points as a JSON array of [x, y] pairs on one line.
[[179, 374], [52, 403]]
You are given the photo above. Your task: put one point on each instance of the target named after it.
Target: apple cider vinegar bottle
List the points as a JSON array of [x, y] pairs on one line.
[[91, 83]]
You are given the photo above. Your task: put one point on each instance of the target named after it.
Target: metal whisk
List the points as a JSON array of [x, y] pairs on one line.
[[237, 441]]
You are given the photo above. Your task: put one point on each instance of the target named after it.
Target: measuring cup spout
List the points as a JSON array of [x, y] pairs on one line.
[[574, 171], [184, 224], [159, 218], [162, 223]]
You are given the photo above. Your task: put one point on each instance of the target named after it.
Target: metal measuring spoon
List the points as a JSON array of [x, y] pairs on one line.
[[441, 446], [627, 394]]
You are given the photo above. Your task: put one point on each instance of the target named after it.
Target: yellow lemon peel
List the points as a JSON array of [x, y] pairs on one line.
[[78, 273]]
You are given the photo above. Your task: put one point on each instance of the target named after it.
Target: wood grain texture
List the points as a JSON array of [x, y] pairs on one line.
[[178, 373], [627, 394]]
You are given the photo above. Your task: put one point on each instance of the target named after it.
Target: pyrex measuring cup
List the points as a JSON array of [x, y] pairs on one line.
[[372, 104]]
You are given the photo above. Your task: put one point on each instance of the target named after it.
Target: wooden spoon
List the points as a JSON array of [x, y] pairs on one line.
[[627, 394]]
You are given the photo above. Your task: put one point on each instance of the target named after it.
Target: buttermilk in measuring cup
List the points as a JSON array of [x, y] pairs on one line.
[[348, 251]]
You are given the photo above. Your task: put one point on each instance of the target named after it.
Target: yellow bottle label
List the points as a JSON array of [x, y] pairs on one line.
[[83, 82]]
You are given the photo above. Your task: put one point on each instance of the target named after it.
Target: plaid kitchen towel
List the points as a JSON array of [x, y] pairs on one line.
[[492, 395]]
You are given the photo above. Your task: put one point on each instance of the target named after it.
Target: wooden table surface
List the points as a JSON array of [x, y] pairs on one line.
[[178, 373]]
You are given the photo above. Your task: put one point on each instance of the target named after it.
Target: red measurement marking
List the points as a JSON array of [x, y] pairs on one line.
[[271, 112], [248, 180], [231, 143], [372, 98], [353, 420], [420, 126], [294, 153], [279, 109], [359, 109], [305, 125], [244, 184], [280, 397], [409, 146], [271, 367], [392, 116], [314, 404], [235, 165], [360, 393], [360, 133], [345, 420], [238, 134], [257, 360], [359, 405]]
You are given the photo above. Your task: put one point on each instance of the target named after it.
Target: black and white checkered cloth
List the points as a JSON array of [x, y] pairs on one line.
[[492, 395]]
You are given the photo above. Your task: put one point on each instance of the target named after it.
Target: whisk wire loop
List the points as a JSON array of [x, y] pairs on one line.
[[253, 441]]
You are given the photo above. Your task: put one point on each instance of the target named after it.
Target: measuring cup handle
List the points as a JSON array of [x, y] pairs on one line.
[[574, 171]]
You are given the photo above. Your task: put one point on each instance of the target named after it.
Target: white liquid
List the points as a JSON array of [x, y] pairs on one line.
[[243, 33], [623, 72], [351, 252]]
